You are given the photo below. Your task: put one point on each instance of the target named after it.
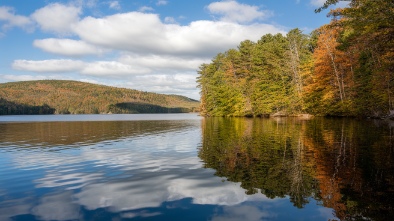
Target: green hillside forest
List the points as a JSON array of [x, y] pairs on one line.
[[344, 68], [73, 97]]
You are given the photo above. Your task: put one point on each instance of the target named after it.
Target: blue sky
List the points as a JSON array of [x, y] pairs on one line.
[[153, 45]]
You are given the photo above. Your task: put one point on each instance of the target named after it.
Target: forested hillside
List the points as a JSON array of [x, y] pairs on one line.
[[73, 97], [344, 68]]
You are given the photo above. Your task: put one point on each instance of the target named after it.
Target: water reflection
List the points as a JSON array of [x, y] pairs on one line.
[[343, 163], [70, 134], [263, 155], [214, 169], [110, 170]]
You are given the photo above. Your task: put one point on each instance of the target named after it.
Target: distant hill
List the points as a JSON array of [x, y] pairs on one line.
[[73, 97]]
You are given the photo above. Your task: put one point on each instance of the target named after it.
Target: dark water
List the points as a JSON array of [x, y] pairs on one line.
[[184, 167]]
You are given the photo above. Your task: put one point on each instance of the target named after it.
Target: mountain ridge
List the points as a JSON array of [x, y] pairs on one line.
[[75, 97]]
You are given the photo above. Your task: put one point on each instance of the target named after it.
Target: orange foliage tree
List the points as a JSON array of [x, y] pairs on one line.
[[330, 89]]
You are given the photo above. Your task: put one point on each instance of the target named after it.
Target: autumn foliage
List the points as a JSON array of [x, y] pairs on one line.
[[344, 68], [73, 97]]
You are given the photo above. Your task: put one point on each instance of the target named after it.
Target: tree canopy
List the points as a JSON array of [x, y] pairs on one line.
[[344, 68]]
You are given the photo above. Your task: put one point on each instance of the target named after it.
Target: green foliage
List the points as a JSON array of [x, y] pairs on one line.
[[257, 79], [72, 97]]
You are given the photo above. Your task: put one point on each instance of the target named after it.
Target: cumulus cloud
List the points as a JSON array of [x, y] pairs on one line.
[[145, 33], [163, 63], [112, 68], [114, 5], [318, 3], [116, 30], [182, 83], [57, 18], [67, 47], [140, 43], [233, 11], [145, 9], [169, 20], [98, 68], [90, 3], [61, 65], [10, 19]]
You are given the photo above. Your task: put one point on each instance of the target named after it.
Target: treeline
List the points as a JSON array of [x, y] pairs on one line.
[[73, 97], [136, 107], [11, 108], [344, 68]]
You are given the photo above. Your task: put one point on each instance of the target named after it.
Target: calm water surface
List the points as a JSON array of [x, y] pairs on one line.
[[184, 167]]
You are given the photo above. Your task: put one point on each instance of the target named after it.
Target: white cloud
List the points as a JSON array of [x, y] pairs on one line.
[[67, 47], [161, 2], [121, 31], [318, 3], [91, 3], [163, 63], [62, 65], [10, 19], [140, 43], [114, 5], [169, 20], [145, 33], [182, 81], [57, 18], [184, 84], [90, 81], [11, 77], [112, 68], [145, 9], [98, 68], [233, 11]]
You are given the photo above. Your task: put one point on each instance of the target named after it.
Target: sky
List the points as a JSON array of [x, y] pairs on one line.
[[151, 45]]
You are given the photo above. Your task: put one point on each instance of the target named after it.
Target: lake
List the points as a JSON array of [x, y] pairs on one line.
[[185, 167]]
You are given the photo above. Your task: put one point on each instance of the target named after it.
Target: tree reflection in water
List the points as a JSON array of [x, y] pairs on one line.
[[345, 164]]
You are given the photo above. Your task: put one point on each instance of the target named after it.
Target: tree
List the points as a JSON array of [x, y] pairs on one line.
[[330, 90], [256, 79], [370, 26]]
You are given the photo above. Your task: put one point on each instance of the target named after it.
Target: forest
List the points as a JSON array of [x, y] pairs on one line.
[[73, 97], [344, 68]]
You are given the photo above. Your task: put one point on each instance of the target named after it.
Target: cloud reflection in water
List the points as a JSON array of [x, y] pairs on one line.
[[134, 173]]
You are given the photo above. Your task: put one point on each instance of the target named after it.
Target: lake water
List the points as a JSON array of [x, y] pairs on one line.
[[185, 167]]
